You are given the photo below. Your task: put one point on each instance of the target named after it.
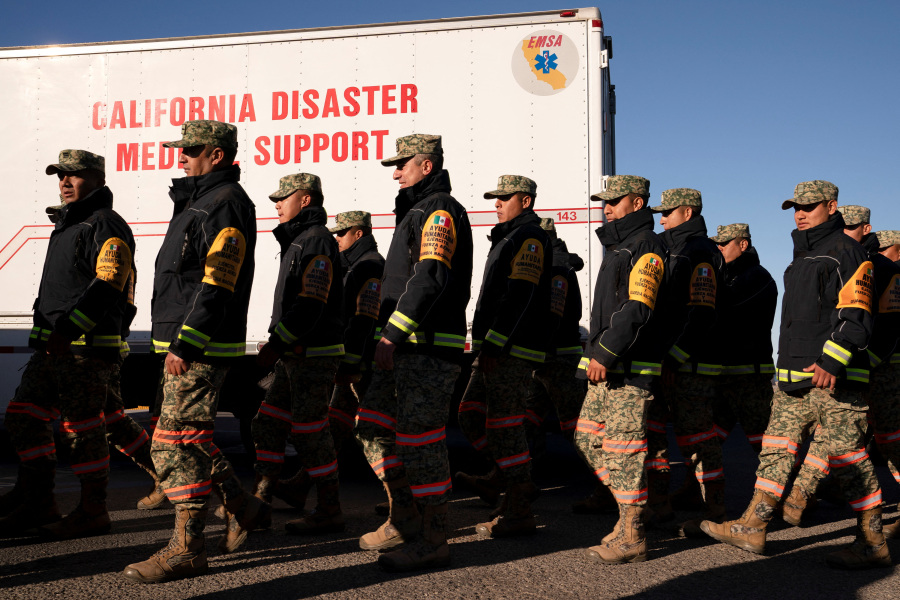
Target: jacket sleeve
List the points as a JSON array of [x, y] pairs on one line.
[[431, 274], [887, 320], [222, 241], [702, 292], [111, 257], [318, 270], [529, 259], [362, 302], [645, 276], [853, 318]]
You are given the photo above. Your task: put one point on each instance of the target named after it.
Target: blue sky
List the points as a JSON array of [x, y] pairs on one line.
[[741, 100]]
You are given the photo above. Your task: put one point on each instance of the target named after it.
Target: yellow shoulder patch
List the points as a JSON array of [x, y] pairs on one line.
[[368, 301], [559, 290], [317, 276], [859, 292], [703, 286], [114, 263], [645, 279], [224, 259], [438, 238], [890, 299], [528, 263]]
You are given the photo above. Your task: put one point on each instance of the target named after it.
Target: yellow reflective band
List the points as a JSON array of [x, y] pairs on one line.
[[569, 350], [314, 352], [402, 322], [860, 375], [526, 354], [584, 362], [286, 336], [498, 339], [226, 349], [81, 320], [645, 368], [101, 341], [193, 337], [679, 354], [838, 353]]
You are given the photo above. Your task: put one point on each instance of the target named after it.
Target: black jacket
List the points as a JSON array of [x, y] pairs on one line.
[[826, 312], [363, 270], [625, 336], [511, 317], [83, 294], [746, 312], [694, 269], [885, 341], [306, 316], [428, 271], [565, 301], [204, 269]]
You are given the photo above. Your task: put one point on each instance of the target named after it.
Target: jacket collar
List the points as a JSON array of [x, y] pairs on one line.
[[433, 183], [677, 237], [188, 188], [360, 248], [870, 243], [618, 231], [747, 260], [75, 212], [501, 230], [809, 239], [563, 258], [286, 233]]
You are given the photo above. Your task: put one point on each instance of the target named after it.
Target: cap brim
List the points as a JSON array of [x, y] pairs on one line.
[[607, 196], [178, 144], [787, 204], [495, 194], [336, 229], [276, 196], [390, 162], [53, 169], [717, 240], [659, 209]]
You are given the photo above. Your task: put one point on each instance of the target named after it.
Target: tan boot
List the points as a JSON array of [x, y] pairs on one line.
[[749, 532], [601, 501], [868, 550], [659, 510], [714, 511], [243, 513], [891, 531], [38, 506], [425, 551], [157, 496], [488, 487], [404, 520], [263, 486], [629, 544], [518, 518], [325, 518], [185, 556], [89, 517], [795, 504], [295, 489]]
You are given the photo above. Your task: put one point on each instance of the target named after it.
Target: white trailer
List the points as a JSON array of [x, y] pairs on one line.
[[521, 94]]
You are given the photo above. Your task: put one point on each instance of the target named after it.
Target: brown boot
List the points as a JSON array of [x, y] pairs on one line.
[[243, 512], [714, 502], [891, 531], [749, 532], [795, 504], [38, 506], [295, 489], [404, 521], [658, 510], [629, 544], [185, 556], [157, 496], [488, 487], [263, 486], [89, 517], [426, 550], [600, 501], [868, 550], [518, 518], [325, 518]]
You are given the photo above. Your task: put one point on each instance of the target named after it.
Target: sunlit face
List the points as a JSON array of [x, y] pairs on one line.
[[510, 207], [807, 216], [618, 208], [732, 249], [672, 218], [76, 185], [408, 173], [290, 206], [198, 160], [892, 252], [347, 237]]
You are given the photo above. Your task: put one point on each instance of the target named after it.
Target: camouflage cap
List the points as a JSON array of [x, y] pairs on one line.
[[622, 185], [726, 233], [201, 133], [812, 192], [678, 197], [351, 218], [417, 143], [888, 237], [855, 215], [507, 185], [289, 184], [548, 225], [77, 160]]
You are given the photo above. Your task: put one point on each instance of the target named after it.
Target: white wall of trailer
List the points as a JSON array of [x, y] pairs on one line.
[[339, 95]]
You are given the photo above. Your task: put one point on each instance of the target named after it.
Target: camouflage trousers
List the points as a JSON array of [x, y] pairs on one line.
[[401, 424], [554, 385], [123, 432], [744, 399], [296, 407], [343, 406], [884, 413], [187, 462], [611, 437], [690, 406], [69, 388], [841, 416]]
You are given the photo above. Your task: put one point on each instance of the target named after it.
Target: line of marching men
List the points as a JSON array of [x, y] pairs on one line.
[[366, 346]]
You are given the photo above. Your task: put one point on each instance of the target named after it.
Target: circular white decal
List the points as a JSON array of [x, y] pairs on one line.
[[545, 62]]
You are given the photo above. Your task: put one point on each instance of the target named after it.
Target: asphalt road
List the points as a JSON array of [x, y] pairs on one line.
[[548, 565]]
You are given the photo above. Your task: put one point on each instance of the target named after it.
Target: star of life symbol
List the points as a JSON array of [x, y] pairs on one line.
[[545, 61]]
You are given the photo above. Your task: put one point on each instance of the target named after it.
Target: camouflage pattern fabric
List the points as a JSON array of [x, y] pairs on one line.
[[296, 406], [123, 432], [73, 390], [622, 185], [351, 218], [842, 417], [417, 143], [505, 389], [289, 184], [185, 458], [473, 412], [678, 197], [507, 185], [343, 407], [744, 399], [888, 237], [77, 160], [202, 133], [553, 385], [376, 426], [812, 192], [855, 214], [658, 441], [691, 402], [590, 431], [726, 233], [547, 224]]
